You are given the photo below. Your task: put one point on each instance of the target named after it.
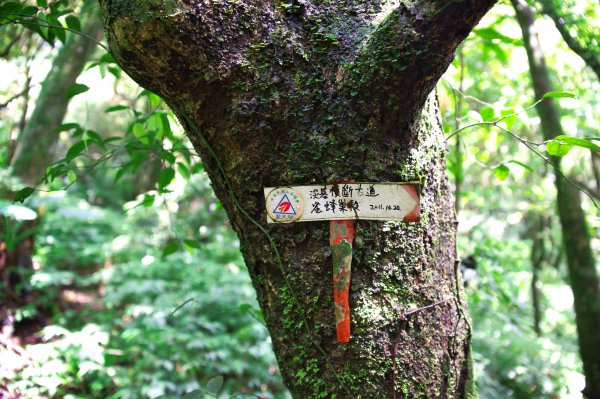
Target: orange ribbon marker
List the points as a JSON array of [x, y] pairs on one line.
[[341, 236], [342, 207]]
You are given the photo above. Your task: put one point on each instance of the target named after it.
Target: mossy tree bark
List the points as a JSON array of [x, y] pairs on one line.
[[37, 142], [306, 92], [582, 268]]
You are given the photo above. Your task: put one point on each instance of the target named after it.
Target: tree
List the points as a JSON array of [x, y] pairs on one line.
[[582, 269], [580, 35], [37, 142], [290, 93]]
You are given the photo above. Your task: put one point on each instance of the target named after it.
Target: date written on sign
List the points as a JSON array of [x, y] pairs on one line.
[[343, 201]]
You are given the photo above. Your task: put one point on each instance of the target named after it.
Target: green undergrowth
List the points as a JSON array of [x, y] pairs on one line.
[[510, 360], [129, 321]]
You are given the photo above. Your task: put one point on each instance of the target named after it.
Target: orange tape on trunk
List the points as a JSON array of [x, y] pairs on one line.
[[341, 237]]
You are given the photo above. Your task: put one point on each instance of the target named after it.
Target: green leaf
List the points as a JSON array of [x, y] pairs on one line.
[[76, 88], [23, 194], [73, 22], [71, 176], [75, 150], [498, 51], [67, 126], [148, 200], [37, 28], [153, 98], [214, 385], [168, 156], [140, 133], [502, 172], [57, 27], [115, 71], [154, 123], [90, 135], [107, 59], [10, 9], [246, 308], [557, 148], [487, 114], [29, 11], [183, 171], [53, 171], [57, 12], [166, 124], [171, 248], [41, 26], [559, 94], [509, 117], [578, 142], [116, 108], [493, 34], [524, 165], [192, 244], [197, 168], [189, 249], [42, 3], [196, 394], [165, 178]]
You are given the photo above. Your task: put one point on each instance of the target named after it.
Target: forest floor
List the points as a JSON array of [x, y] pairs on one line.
[[19, 337]]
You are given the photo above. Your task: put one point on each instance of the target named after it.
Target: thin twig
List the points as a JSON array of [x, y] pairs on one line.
[[425, 307], [530, 145], [22, 93], [493, 123], [468, 97], [557, 169]]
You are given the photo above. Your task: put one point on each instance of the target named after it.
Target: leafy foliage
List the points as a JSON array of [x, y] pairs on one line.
[[44, 18], [163, 326]]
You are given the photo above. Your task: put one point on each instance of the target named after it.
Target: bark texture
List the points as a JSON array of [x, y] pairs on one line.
[[582, 269], [37, 142], [306, 92]]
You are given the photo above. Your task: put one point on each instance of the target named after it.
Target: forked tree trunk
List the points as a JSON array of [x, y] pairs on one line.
[[306, 92], [583, 276]]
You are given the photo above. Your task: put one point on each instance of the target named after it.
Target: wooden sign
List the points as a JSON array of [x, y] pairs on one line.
[[343, 204], [343, 201]]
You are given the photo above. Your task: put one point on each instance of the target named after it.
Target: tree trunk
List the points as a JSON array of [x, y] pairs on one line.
[[307, 92], [36, 143], [582, 44], [582, 269]]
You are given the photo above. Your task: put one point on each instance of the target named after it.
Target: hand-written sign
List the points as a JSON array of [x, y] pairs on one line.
[[343, 201], [342, 204]]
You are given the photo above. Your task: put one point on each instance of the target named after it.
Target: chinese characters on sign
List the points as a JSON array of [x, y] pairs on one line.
[[342, 204], [343, 201]]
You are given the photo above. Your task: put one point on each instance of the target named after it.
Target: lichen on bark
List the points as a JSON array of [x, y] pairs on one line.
[[306, 92]]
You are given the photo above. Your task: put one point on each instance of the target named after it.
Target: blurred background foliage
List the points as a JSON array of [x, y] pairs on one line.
[[129, 282]]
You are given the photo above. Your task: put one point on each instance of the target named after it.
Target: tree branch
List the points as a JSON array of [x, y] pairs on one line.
[[562, 22], [407, 53], [25, 91]]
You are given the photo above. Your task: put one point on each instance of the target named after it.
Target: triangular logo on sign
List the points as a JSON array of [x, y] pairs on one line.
[[285, 207]]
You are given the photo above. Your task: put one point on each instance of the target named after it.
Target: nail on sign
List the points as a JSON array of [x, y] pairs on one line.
[[343, 201]]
